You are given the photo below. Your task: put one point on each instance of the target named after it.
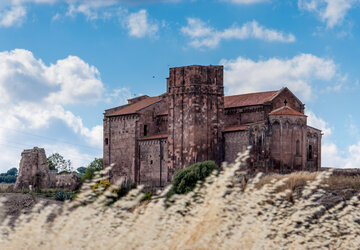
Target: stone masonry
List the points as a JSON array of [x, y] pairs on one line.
[[33, 170], [151, 138]]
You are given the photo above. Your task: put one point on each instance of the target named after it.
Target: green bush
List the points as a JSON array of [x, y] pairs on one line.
[[147, 196], [94, 166], [186, 179], [62, 196]]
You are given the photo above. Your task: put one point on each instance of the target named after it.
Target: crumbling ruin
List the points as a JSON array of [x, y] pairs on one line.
[[33, 170]]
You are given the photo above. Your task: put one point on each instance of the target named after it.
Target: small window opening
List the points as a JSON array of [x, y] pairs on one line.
[[106, 141], [151, 162], [297, 147], [310, 156], [145, 130]]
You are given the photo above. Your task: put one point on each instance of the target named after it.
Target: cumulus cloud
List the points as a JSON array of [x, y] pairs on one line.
[[36, 95], [244, 75], [317, 122], [332, 12], [139, 25], [205, 36], [13, 16], [332, 156]]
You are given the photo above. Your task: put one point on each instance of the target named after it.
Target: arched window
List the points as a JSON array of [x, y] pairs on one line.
[[310, 153], [297, 147]]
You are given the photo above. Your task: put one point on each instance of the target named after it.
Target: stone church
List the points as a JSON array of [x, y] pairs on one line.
[[150, 138]]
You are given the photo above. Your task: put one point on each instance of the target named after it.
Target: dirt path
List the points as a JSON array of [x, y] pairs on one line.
[[18, 203]]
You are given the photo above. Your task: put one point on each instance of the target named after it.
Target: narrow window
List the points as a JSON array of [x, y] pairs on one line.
[[145, 130], [106, 141], [297, 147], [310, 156]]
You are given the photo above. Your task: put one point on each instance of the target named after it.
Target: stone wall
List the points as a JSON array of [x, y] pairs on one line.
[[120, 145], [235, 142], [67, 181], [33, 170], [153, 162], [195, 117]]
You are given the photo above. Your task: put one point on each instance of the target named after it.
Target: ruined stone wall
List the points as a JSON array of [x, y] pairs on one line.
[[153, 162], [195, 120], [67, 181], [33, 170], [120, 145], [235, 142]]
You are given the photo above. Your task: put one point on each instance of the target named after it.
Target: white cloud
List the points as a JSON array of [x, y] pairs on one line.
[[332, 12], [316, 122], [204, 36], [331, 155], [35, 96], [245, 75], [139, 25], [13, 16]]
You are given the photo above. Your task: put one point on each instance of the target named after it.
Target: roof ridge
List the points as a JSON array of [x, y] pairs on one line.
[[254, 93]]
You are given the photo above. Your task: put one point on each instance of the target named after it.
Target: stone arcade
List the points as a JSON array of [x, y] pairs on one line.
[[150, 138]]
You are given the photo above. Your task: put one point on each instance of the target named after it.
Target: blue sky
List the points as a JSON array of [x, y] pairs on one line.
[[63, 62]]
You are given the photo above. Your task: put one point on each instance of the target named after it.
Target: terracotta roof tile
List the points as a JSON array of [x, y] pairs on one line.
[[248, 99], [286, 110], [233, 128], [157, 136], [135, 107]]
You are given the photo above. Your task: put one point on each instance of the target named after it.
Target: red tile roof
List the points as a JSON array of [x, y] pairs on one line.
[[232, 128], [286, 110], [157, 136], [248, 99], [135, 107]]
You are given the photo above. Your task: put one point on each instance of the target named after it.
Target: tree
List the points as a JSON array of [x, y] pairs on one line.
[[12, 172], [58, 163], [95, 165], [81, 170]]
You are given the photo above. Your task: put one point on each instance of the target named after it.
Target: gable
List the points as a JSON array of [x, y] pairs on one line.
[[292, 101]]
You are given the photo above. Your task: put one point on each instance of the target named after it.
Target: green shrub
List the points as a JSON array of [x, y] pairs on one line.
[[147, 196], [62, 196], [94, 166], [186, 179]]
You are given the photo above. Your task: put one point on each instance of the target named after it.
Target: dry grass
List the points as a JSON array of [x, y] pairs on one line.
[[6, 187], [219, 215]]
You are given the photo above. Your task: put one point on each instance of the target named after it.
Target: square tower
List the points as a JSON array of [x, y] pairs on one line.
[[195, 121]]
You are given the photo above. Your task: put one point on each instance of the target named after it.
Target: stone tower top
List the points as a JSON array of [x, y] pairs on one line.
[[195, 75]]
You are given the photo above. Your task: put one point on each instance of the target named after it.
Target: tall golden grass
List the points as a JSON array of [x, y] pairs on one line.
[[219, 214]]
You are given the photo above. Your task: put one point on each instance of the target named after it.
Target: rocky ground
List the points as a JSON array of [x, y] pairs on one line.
[[19, 203]]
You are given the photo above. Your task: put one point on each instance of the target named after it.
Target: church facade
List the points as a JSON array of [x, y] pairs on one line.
[[151, 138]]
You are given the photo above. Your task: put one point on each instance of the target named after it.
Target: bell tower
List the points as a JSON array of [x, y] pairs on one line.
[[195, 121]]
